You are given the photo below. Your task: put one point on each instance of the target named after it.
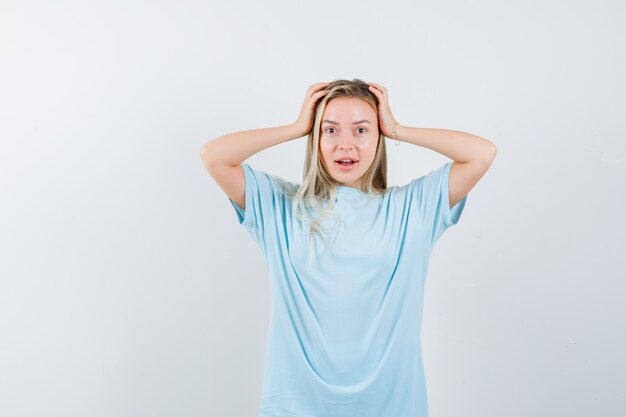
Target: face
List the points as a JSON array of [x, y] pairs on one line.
[[349, 131]]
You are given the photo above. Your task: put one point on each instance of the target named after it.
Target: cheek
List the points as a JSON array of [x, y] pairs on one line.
[[368, 147], [326, 149]]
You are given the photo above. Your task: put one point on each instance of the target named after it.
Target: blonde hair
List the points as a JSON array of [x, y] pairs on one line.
[[318, 190]]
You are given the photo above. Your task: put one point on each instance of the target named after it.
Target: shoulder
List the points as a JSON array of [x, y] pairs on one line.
[[269, 183]]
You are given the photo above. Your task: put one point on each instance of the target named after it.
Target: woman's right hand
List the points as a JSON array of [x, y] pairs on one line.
[[306, 117]]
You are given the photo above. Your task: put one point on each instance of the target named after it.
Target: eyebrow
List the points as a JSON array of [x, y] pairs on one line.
[[355, 123]]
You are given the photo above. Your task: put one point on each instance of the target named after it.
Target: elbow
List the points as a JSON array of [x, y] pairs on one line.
[[491, 151], [489, 154], [206, 154]]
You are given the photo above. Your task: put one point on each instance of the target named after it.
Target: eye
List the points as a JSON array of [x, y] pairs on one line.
[[326, 130], [362, 128]]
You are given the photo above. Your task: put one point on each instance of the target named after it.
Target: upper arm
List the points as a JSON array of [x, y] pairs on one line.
[[463, 177], [231, 179], [431, 196], [255, 195]]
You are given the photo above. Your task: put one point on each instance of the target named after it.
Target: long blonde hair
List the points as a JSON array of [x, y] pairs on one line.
[[318, 190]]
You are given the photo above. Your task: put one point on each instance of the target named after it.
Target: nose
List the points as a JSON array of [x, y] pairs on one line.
[[345, 141]]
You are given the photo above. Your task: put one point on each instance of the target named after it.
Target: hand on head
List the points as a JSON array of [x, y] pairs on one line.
[[386, 121], [307, 112]]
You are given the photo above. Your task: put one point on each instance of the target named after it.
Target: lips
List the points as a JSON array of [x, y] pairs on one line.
[[346, 166], [346, 158]]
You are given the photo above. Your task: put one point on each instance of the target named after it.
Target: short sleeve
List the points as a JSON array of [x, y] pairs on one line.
[[261, 203], [430, 193]]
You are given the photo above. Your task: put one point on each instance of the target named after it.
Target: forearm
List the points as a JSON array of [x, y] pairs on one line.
[[234, 148], [456, 145]]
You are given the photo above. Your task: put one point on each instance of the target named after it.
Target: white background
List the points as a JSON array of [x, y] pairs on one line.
[[127, 288]]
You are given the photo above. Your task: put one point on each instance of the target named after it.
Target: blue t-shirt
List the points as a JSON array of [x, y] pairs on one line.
[[344, 335]]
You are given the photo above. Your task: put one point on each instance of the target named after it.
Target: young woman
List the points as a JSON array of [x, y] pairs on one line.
[[344, 337]]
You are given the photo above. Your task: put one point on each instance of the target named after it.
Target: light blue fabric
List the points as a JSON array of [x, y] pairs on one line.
[[344, 335]]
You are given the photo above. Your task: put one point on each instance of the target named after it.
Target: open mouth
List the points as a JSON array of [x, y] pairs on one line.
[[346, 162], [346, 165]]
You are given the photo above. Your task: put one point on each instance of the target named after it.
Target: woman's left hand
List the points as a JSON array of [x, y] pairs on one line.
[[386, 121]]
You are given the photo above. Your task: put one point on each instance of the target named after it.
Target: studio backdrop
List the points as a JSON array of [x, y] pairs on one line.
[[127, 286]]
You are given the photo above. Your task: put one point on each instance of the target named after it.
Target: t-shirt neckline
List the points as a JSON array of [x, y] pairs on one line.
[[346, 189]]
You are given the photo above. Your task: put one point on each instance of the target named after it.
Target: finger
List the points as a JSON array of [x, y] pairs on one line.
[[319, 93], [318, 85], [380, 87], [316, 96], [316, 89], [379, 94], [374, 89]]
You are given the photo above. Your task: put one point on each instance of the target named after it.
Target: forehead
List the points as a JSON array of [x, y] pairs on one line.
[[348, 109]]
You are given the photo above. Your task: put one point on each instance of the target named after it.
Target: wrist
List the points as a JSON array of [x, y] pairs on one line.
[[300, 130], [394, 132]]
